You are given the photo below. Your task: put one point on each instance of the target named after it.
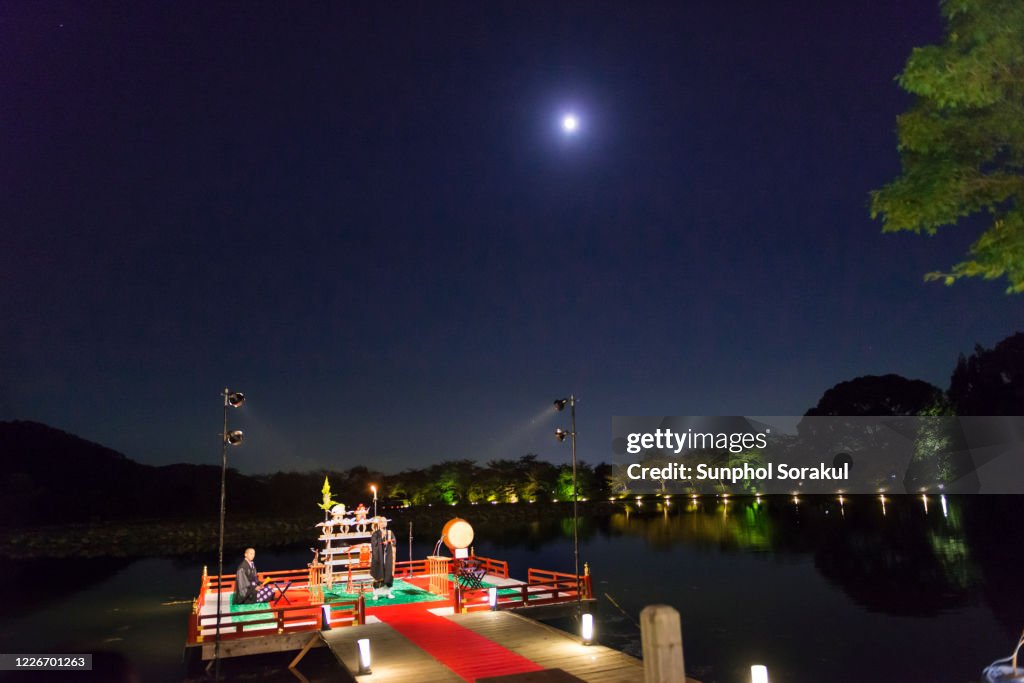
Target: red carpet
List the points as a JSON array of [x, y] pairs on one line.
[[465, 652]]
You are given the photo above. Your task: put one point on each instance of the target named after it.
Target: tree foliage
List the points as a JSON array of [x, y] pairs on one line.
[[990, 381], [500, 481], [878, 395], [962, 142]]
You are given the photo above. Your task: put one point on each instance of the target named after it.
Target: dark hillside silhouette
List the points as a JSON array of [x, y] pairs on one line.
[[50, 476]]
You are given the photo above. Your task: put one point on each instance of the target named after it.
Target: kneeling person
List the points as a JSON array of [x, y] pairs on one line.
[[246, 579]]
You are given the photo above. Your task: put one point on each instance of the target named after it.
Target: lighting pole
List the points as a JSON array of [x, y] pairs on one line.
[[374, 489], [233, 399], [560, 435]]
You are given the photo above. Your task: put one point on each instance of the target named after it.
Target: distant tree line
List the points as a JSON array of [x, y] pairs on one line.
[[452, 481], [502, 481]]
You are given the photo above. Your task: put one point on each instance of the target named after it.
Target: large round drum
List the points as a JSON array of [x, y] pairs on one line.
[[457, 534]]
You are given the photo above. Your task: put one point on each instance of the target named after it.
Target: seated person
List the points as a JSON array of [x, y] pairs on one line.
[[246, 579]]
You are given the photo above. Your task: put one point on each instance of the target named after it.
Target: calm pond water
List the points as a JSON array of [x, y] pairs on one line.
[[816, 590]]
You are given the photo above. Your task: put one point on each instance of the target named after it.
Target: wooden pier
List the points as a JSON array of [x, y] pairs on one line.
[[397, 660]]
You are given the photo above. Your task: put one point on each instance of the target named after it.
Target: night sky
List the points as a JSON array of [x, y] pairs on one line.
[[367, 218]]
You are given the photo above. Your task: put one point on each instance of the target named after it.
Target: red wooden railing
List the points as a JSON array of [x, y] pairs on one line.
[[492, 566], [277, 619], [537, 576], [541, 588], [408, 568]]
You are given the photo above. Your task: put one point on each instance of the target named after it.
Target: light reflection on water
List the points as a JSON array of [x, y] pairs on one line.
[[816, 590]]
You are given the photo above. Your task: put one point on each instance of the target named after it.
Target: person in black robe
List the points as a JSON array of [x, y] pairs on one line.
[[246, 579], [382, 558]]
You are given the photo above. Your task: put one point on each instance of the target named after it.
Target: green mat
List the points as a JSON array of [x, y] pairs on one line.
[[405, 593]]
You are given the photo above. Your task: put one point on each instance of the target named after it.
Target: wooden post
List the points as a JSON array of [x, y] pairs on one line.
[[195, 628], [661, 637], [361, 610], [458, 599], [305, 648]]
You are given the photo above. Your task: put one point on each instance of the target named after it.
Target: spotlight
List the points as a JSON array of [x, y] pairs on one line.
[[492, 598], [759, 673], [560, 434], [234, 399]]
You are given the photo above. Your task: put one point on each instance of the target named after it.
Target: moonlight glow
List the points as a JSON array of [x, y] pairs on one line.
[[570, 124]]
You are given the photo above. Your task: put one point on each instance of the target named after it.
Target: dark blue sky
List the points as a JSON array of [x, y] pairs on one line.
[[366, 218]]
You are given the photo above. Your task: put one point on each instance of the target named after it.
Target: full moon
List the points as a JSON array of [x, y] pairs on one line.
[[570, 123]]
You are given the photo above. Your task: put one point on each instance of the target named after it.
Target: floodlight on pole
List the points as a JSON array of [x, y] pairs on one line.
[[560, 434], [233, 399]]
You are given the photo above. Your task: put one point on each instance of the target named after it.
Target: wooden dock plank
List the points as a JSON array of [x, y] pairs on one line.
[[553, 649], [393, 658], [397, 660]]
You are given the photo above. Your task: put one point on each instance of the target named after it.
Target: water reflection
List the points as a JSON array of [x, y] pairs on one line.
[[894, 555], [758, 579], [897, 555], [42, 582]]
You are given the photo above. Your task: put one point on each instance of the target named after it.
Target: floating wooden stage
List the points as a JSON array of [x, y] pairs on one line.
[[436, 628]]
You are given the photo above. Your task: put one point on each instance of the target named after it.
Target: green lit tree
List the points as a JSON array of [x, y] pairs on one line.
[[538, 478], [505, 480], [962, 141]]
